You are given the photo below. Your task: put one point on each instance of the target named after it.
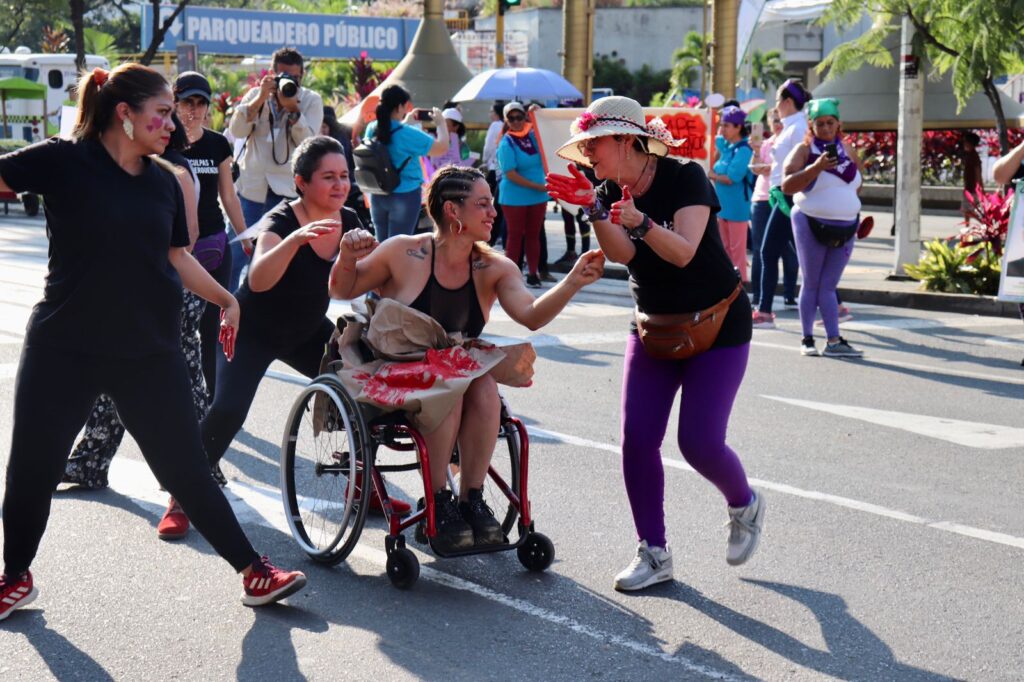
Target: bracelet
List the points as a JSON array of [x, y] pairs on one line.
[[596, 212]]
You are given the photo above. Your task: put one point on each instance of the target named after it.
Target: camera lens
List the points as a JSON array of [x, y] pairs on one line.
[[287, 87]]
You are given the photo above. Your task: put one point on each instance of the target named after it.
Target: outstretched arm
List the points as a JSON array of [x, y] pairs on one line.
[[576, 189], [533, 313]]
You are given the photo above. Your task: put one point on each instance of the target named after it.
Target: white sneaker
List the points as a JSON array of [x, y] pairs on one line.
[[744, 525], [650, 566]]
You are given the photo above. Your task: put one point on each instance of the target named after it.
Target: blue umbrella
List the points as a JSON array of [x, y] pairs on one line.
[[517, 84]]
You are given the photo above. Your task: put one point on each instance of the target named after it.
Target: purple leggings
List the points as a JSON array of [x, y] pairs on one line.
[[649, 387], [822, 267]]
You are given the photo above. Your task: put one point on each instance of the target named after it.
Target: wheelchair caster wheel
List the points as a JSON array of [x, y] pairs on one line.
[[537, 552], [403, 568]]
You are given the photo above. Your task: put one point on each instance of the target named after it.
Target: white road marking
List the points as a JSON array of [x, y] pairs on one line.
[[1011, 341], [837, 500], [968, 434], [263, 505], [871, 359]]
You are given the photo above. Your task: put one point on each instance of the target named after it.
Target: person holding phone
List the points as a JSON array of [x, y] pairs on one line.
[[823, 175], [109, 322], [396, 126], [760, 211]]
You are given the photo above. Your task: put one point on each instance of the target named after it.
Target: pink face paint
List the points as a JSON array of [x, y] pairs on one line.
[[155, 123]]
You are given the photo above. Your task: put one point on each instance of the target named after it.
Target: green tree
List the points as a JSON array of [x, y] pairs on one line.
[[766, 69], [688, 61], [977, 40]]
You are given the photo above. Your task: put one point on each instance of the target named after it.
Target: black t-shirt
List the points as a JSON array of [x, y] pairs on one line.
[[205, 156], [661, 287], [110, 288], [293, 309]]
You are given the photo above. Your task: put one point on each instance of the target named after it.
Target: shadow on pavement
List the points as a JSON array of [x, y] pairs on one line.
[[65, 660], [854, 651]]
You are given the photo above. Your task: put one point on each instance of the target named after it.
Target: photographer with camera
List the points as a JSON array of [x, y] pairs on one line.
[[273, 119]]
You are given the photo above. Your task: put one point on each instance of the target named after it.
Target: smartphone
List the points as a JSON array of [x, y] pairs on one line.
[[425, 115], [831, 151]]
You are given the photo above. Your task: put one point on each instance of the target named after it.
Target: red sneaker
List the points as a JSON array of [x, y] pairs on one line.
[[267, 584], [174, 524], [15, 593]]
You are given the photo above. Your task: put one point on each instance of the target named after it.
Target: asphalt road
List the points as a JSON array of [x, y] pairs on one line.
[[892, 548]]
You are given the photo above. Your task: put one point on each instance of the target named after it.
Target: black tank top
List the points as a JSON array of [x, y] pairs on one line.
[[457, 310]]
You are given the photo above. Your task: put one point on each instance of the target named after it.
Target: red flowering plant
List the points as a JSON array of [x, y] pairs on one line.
[[989, 220], [364, 76]]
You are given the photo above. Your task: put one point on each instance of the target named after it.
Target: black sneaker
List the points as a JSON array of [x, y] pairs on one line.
[[453, 533], [486, 529], [533, 281], [568, 258], [807, 347]]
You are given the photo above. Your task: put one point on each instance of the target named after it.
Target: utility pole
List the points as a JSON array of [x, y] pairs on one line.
[[578, 45], [499, 30], [908, 155], [724, 17]]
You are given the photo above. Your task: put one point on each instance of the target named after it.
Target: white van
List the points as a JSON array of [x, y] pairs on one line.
[[57, 72]]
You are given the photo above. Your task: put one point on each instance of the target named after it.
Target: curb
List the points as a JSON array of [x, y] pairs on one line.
[[965, 304]]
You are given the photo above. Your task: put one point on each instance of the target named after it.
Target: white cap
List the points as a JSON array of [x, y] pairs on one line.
[[452, 114]]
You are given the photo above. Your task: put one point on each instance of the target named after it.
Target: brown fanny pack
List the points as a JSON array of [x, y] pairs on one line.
[[680, 336]]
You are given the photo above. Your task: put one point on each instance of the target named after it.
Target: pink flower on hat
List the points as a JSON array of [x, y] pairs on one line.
[[586, 121]]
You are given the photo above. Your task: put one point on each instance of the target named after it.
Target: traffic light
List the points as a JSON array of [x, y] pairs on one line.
[[504, 5]]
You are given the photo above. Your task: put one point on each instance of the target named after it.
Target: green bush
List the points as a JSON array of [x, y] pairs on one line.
[[7, 145], [951, 267]]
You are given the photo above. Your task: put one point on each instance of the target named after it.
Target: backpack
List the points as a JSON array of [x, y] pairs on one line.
[[750, 179], [374, 171]]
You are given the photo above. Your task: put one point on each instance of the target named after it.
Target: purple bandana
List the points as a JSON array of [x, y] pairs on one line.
[[527, 143], [845, 171]]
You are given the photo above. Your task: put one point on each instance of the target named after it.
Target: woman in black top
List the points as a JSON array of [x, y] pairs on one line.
[[109, 323], [661, 225], [284, 299], [455, 277], [90, 460], [210, 155]]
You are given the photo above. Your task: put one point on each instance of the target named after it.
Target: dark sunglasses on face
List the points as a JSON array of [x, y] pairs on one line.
[[516, 119]]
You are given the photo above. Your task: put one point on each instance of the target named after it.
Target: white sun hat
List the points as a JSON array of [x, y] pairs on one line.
[[452, 114], [616, 116]]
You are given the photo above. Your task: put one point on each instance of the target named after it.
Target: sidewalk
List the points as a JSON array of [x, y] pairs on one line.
[[865, 279]]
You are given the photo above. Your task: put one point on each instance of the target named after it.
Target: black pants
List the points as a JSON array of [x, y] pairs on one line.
[[54, 392], [238, 380], [209, 326]]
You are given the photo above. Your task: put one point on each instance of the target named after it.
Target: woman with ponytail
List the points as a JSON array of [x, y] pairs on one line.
[[396, 126], [109, 323]]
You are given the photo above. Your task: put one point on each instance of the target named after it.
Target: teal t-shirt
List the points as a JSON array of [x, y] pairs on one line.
[[407, 143], [523, 156], [733, 161]]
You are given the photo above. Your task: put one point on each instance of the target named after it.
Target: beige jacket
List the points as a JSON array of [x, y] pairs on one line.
[[267, 159]]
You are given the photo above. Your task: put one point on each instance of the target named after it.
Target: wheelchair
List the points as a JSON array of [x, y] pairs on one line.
[[329, 463]]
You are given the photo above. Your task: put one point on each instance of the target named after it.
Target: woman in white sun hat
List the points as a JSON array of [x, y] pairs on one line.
[[456, 131], [657, 216]]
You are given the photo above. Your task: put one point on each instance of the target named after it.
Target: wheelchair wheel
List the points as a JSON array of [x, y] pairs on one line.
[[403, 568], [325, 458], [537, 552], [505, 463]]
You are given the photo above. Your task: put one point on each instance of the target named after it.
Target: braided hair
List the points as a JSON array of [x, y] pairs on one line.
[[451, 183]]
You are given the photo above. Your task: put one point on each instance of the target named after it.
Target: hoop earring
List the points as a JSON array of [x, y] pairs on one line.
[[461, 227], [129, 129]]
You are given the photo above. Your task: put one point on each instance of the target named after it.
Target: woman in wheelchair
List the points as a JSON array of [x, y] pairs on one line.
[[455, 277]]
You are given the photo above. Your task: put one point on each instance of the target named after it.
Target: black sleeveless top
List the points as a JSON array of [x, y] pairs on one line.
[[457, 310]]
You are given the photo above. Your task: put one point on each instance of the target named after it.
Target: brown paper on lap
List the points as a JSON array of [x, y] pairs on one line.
[[424, 371]]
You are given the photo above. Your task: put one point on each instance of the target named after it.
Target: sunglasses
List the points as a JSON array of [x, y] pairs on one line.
[[515, 119]]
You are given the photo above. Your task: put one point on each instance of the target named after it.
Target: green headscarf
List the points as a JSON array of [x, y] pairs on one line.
[[827, 106]]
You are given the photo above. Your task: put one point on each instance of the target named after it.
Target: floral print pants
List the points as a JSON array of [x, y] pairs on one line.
[[90, 460]]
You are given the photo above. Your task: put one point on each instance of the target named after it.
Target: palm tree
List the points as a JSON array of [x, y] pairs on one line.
[[766, 69], [688, 61]]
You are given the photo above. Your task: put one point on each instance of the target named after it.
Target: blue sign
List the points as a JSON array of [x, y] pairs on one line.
[[253, 33]]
